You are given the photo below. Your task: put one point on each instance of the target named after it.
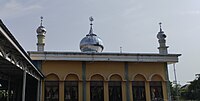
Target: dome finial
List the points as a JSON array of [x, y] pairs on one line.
[[161, 35], [91, 20], [160, 24], [41, 19]]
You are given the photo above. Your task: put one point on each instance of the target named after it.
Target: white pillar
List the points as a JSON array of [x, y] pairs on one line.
[[24, 86]]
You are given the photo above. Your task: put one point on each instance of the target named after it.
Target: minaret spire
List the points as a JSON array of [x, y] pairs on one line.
[[41, 31], [160, 24], [91, 25], [162, 42], [41, 20]]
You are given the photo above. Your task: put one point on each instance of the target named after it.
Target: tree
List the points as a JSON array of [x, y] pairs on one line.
[[193, 90], [175, 89]]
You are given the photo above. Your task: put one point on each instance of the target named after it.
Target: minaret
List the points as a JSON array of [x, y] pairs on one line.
[[162, 42], [41, 31]]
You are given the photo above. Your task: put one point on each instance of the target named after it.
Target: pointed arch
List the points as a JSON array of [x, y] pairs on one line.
[[139, 77], [72, 77], [115, 77], [52, 77], [156, 77], [97, 77]]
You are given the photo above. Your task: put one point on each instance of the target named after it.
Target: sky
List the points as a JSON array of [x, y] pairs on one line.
[[130, 24]]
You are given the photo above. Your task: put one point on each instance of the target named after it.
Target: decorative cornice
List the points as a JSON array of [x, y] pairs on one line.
[[120, 57]]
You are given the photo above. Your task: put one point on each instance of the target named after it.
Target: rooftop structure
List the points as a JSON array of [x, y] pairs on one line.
[[41, 31], [99, 76], [91, 42]]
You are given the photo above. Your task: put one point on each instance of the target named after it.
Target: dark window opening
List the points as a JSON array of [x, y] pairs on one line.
[[51, 91], [156, 91], [138, 89], [15, 91], [96, 91], [3, 90], [115, 91], [71, 91]]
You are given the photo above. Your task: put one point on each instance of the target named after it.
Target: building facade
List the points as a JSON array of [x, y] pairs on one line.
[[89, 75], [93, 75], [104, 76]]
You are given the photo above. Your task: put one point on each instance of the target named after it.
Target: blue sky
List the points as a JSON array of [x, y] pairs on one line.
[[130, 24]]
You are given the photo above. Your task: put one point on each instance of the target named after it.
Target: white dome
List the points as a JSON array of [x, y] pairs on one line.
[[91, 43], [41, 29]]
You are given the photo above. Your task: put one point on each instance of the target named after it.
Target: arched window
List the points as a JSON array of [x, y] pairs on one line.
[[96, 88], [156, 88], [115, 88], [71, 87], [138, 88], [52, 87]]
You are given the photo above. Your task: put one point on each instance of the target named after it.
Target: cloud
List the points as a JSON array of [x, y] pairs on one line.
[[132, 10], [13, 8], [191, 12]]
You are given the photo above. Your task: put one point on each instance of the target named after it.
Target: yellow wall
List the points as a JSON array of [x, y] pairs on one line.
[[146, 69], [62, 68], [106, 70]]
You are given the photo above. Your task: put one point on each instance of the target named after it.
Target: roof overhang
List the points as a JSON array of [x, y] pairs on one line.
[[119, 57], [11, 50]]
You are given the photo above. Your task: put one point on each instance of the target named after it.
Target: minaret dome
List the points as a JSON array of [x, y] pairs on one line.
[[41, 29], [162, 42]]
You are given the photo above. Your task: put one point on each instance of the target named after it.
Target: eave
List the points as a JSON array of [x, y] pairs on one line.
[[119, 57]]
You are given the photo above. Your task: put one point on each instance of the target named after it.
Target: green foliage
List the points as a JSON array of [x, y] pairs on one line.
[[175, 90], [193, 90]]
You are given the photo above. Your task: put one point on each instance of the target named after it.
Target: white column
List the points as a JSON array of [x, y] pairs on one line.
[[24, 86]]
